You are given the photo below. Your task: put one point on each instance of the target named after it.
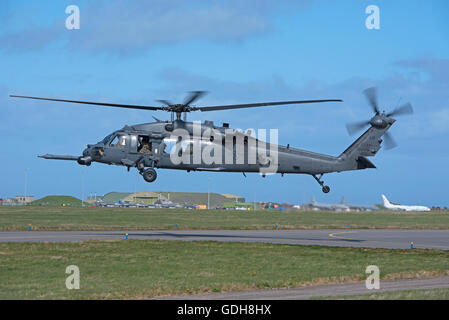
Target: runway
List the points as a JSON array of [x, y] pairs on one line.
[[380, 238]]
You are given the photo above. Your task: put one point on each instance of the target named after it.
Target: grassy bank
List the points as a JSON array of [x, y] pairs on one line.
[[424, 294], [59, 218], [141, 268]]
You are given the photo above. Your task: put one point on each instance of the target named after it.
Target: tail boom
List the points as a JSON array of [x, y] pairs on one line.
[[367, 145]]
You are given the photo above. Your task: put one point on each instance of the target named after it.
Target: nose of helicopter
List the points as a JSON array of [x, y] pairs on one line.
[[87, 151], [85, 159], [95, 151]]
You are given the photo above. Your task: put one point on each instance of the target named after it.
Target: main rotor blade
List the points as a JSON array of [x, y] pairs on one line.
[[194, 95], [389, 141], [371, 95], [404, 109], [192, 98], [356, 126], [166, 102], [261, 104], [129, 106]]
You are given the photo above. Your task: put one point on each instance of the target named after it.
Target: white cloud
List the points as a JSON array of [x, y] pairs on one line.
[[117, 26]]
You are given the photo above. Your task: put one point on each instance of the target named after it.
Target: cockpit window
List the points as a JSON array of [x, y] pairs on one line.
[[123, 140], [120, 141], [114, 142]]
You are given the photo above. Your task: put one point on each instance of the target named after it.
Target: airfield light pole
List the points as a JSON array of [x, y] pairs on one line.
[[26, 185], [82, 186], [208, 193], [135, 182], [254, 203]]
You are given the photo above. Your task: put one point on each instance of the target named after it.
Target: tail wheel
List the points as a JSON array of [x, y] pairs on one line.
[[325, 188], [149, 175]]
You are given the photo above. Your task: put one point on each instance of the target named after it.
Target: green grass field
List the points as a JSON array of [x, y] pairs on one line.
[[143, 268], [88, 218]]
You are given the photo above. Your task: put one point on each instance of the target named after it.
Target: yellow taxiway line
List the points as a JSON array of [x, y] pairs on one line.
[[333, 235]]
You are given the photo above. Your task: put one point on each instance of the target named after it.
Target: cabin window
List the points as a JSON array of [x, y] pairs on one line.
[[133, 143], [185, 148], [170, 145], [144, 145]]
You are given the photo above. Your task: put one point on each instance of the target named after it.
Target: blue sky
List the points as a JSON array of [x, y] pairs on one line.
[[239, 51]]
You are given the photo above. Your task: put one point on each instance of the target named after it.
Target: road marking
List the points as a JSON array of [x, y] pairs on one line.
[[333, 235]]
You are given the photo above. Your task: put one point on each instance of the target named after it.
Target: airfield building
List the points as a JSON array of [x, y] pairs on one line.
[[17, 201], [25, 199], [216, 200]]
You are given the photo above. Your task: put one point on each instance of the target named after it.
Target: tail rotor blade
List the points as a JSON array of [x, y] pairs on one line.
[[389, 141], [356, 126], [371, 95], [404, 109]]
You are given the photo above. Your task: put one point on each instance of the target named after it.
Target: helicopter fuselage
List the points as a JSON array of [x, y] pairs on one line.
[[124, 148], [195, 146]]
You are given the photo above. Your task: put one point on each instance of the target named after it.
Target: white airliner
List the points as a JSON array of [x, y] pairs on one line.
[[391, 206]]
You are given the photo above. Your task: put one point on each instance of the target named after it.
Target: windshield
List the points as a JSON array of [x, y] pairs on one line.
[[107, 138]]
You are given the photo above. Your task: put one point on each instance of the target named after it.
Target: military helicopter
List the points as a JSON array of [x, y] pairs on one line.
[[147, 146]]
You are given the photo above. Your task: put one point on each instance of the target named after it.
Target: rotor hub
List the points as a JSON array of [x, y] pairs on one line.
[[379, 121]]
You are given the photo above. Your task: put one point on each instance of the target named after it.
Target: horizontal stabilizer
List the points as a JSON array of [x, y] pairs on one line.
[[364, 163]]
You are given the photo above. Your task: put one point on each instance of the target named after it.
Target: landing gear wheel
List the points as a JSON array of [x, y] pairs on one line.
[[149, 175], [325, 189]]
